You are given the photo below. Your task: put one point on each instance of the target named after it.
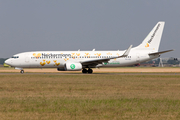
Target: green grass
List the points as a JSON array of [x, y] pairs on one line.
[[96, 96]]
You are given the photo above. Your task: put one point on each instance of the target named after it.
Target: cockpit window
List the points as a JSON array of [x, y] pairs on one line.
[[15, 57]]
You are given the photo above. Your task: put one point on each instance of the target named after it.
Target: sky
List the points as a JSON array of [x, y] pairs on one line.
[[63, 25]]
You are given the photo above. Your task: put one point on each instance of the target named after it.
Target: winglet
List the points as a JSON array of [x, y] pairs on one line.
[[126, 53]]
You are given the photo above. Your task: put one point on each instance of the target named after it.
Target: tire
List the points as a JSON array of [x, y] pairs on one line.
[[22, 71], [90, 71], [84, 71]]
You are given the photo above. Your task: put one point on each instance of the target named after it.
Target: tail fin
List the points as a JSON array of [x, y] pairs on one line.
[[152, 41]]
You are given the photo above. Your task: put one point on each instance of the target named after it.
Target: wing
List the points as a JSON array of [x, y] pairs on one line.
[[100, 61]]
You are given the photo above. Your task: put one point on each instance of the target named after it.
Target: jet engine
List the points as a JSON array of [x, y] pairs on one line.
[[71, 67]]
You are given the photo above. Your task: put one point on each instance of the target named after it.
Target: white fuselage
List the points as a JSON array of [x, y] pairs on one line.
[[57, 59]]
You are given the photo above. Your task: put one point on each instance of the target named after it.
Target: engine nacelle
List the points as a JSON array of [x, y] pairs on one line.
[[73, 66], [61, 69]]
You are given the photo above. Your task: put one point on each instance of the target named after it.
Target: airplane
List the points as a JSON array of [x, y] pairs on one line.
[[86, 60]]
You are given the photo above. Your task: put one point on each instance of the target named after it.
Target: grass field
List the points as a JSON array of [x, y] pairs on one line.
[[96, 96]]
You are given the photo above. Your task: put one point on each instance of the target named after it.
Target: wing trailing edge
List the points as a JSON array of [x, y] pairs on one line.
[[100, 61]]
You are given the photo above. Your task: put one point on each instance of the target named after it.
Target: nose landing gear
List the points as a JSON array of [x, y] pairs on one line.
[[87, 71], [22, 71]]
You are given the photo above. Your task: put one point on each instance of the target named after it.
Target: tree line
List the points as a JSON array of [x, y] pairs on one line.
[[2, 60]]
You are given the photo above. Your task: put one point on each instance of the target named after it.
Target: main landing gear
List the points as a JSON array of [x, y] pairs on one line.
[[87, 71], [22, 71]]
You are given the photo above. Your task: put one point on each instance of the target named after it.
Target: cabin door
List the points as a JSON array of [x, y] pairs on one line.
[[137, 57], [26, 59]]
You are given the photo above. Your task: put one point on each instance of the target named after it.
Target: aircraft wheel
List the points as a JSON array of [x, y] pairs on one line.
[[90, 71], [84, 71], [22, 71]]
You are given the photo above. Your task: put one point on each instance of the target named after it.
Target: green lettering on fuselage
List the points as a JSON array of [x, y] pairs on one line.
[[113, 63]]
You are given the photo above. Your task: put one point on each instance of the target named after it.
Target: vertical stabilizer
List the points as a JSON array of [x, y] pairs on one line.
[[152, 41]]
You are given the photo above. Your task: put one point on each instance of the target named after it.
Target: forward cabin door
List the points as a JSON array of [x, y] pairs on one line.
[[27, 60]]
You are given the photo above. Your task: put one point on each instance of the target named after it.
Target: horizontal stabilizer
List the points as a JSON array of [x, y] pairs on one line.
[[157, 53]]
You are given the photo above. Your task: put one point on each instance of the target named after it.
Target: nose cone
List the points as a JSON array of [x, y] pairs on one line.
[[7, 62]]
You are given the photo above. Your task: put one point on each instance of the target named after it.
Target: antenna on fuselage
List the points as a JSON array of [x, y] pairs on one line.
[[79, 50], [93, 50]]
